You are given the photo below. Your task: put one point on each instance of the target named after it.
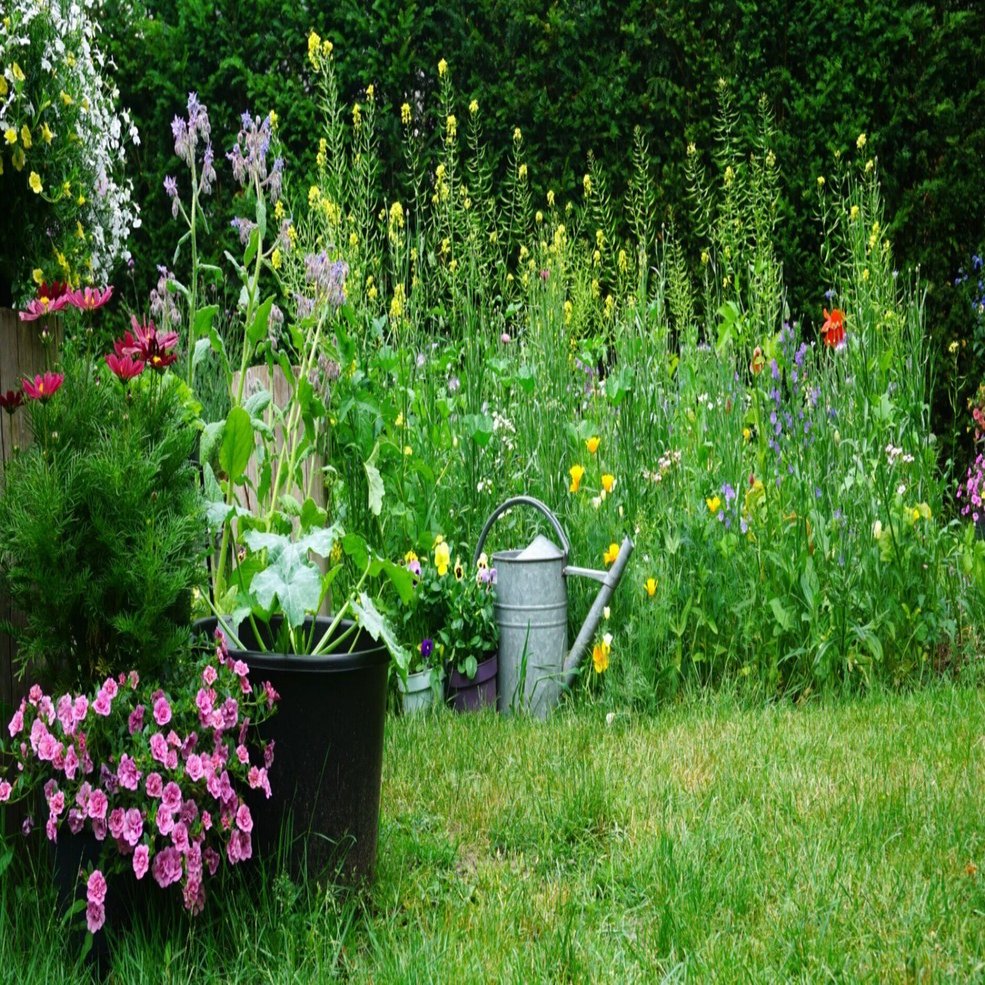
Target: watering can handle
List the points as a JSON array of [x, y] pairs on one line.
[[522, 501]]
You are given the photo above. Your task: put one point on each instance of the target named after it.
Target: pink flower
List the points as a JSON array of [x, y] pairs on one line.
[[154, 785], [206, 820], [505, 338], [124, 368], [71, 762], [96, 887], [159, 747], [240, 669], [35, 694], [244, 820], [204, 701], [127, 773], [162, 711], [48, 747], [171, 760], [211, 858], [209, 675], [98, 803], [165, 820], [51, 828], [272, 696], [179, 837], [95, 916], [66, 713], [42, 388], [76, 820], [193, 767], [117, 817], [171, 798], [141, 861], [268, 754], [5, 790], [242, 754], [43, 306], [102, 705], [156, 349], [110, 687], [240, 847], [133, 826], [136, 720], [81, 709], [166, 867], [16, 725], [89, 298]]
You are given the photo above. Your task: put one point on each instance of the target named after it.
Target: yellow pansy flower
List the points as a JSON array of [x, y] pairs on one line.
[[714, 504]]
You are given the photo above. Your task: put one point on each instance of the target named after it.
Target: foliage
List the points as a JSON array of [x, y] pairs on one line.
[[161, 771], [101, 527], [67, 207]]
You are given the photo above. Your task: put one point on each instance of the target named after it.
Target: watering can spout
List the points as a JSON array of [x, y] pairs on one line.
[[609, 579]]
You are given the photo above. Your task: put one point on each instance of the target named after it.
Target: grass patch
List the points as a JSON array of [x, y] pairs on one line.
[[716, 841]]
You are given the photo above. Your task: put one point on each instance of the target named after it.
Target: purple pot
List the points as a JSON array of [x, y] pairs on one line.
[[473, 693]]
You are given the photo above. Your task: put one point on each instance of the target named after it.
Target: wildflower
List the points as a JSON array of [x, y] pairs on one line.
[[451, 127], [427, 647], [651, 587], [89, 298], [124, 367], [155, 348], [860, 143], [42, 388], [820, 181], [600, 655], [26, 137], [11, 400], [758, 361], [611, 554], [517, 135], [586, 183], [473, 107], [608, 482], [459, 570], [853, 213], [10, 135], [442, 68], [714, 504], [35, 182], [576, 472], [833, 328], [405, 114], [592, 444], [505, 338]]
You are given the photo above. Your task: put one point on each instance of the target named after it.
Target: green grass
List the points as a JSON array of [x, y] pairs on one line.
[[712, 842]]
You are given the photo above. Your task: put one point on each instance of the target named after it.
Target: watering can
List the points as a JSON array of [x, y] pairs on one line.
[[531, 611]]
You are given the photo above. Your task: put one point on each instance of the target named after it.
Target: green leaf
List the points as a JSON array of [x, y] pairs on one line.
[[782, 615], [237, 444], [374, 482], [312, 515], [202, 325], [297, 589], [373, 621], [202, 346], [257, 329]]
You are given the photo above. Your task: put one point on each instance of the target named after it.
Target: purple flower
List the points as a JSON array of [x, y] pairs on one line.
[[427, 647], [327, 276], [133, 826]]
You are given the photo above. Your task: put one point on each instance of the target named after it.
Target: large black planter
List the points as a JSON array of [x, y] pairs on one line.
[[328, 754]]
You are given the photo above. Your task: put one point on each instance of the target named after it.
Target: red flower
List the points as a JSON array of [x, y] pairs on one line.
[[124, 367], [11, 400], [90, 298], [51, 298], [833, 328], [43, 387], [156, 349]]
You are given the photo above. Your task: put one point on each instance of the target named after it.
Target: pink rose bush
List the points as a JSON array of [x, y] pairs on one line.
[[157, 776]]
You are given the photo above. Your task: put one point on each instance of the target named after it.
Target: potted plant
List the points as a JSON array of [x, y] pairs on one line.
[[452, 609], [280, 559], [425, 671], [134, 777]]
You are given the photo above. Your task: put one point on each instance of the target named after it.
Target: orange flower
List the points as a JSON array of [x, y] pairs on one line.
[[592, 444], [758, 361], [600, 655], [576, 472], [833, 328], [611, 554]]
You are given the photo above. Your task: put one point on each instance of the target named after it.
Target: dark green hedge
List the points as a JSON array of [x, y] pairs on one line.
[[577, 77]]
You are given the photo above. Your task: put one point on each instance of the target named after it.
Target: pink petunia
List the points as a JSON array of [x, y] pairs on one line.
[[133, 826], [141, 861], [110, 687], [244, 820], [135, 722], [117, 817], [103, 704], [166, 867], [5, 791], [95, 916], [81, 709], [98, 803], [159, 747], [154, 785], [127, 772], [96, 887], [165, 821], [162, 711], [193, 767], [16, 725], [171, 797]]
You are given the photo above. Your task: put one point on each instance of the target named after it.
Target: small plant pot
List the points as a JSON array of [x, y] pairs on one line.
[[417, 695], [474, 693]]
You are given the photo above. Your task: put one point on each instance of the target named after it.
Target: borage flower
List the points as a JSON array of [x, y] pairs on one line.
[[42, 387]]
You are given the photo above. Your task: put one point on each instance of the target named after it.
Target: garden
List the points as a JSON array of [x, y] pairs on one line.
[[419, 565]]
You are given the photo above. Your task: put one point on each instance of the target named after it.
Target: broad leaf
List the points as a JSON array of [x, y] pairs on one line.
[[373, 621], [374, 482], [237, 444], [297, 589]]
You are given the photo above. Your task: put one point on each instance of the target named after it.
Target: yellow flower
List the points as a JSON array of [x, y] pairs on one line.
[[459, 570], [705, 258], [276, 260], [442, 556], [714, 504], [370, 93], [37, 275], [10, 135], [274, 118], [451, 127], [538, 217], [600, 657], [608, 482], [517, 135], [66, 99], [405, 114], [398, 303], [314, 47], [860, 143], [357, 115], [587, 184], [473, 107], [442, 68], [26, 137], [4, 88], [869, 165], [79, 231], [592, 444], [410, 556], [521, 172], [576, 472], [35, 182], [483, 563], [568, 311], [651, 587], [820, 181], [611, 554], [408, 451], [550, 198], [18, 72]]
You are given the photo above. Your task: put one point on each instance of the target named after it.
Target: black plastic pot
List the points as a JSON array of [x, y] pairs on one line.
[[328, 753]]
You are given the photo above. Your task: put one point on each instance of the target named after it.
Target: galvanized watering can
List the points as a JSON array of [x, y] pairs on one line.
[[532, 614]]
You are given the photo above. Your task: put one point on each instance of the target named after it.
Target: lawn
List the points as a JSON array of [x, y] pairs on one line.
[[714, 841]]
